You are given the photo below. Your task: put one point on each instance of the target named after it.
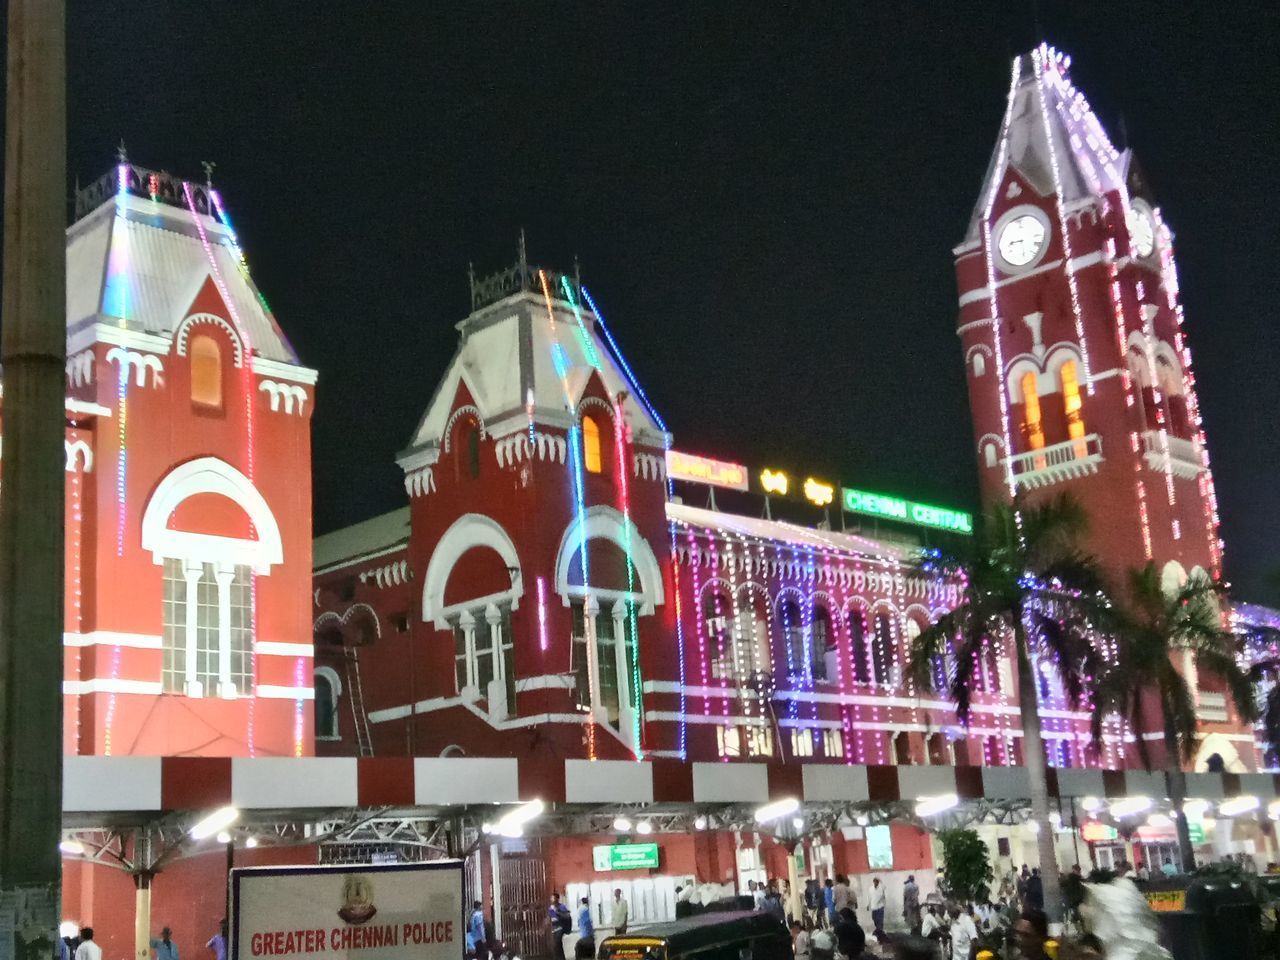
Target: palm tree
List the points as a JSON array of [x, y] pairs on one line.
[[1026, 579], [1155, 630]]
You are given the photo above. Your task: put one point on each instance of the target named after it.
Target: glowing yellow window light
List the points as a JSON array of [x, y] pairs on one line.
[[818, 493], [1032, 426], [591, 446], [1072, 404]]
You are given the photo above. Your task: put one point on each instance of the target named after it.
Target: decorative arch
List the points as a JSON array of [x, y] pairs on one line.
[[349, 616], [469, 530], [1046, 372], [606, 523], [1216, 743], [335, 681], [210, 475], [588, 402], [454, 417], [713, 584], [991, 448], [183, 334]]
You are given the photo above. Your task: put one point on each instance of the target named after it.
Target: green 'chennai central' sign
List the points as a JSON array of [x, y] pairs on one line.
[[895, 508], [625, 856]]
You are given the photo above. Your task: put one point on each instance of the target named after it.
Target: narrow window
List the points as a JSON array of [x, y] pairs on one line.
[[801, 742], [822, 639], [581, 667], [793, 631], [858, 645], [473, 452], [591, 457], [979, 365], [607, 665], [326, 707], [833, 743], [989, 454], [460, 655], [1032, 427], [882, 650], [1071, 405], [507, 656], [175, 626], [206, 371], [241, 613]]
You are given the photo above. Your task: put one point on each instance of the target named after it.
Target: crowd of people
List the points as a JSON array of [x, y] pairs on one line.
[[81, 945]]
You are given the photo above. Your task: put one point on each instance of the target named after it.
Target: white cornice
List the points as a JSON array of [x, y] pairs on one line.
[[284, 371], [103, 332]]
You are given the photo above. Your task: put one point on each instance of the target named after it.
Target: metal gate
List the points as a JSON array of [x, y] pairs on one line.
[[522, 876]]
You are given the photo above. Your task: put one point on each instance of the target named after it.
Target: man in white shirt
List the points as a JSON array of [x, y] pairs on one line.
[[877, 908], [963, 934], [932, 927], [620, 913], [88, 950], [799, 941]]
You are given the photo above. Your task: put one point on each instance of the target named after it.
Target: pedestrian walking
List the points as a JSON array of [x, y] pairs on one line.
[[877, 909], [585, 948], [620, 912], [218, 942], [964, 935], [88, 950], [911, 905], [829, 901], [1033, 898], [799, 941], [475, 931], [773, 903], [842, 896], [561, 923], [164, 948]]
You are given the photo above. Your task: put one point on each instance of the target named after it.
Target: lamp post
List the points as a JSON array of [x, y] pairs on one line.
[[33, 354]]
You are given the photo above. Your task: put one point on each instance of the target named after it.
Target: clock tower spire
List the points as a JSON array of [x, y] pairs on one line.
[[1072, 332]]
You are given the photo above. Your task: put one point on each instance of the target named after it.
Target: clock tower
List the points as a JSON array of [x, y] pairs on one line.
[[1071, 325]]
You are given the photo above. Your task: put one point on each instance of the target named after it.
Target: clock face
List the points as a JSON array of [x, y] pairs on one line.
[[1142, 232], [1021, 240]]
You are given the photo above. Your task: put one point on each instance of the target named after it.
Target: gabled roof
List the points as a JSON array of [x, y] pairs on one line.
[[364, 539], [139, 264], [1051, 137], [512, 353]]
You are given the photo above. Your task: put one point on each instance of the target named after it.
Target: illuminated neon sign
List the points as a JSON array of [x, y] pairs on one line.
[[818, 493], [775, 481], [716, 473], [895, 508]]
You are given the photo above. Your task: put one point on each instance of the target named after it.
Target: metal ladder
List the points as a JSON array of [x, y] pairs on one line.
[[361, 717]]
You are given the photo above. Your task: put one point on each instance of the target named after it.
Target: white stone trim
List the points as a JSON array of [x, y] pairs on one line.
[[469, 530], [210, 475], [270, 691], [278, 370], [111, 685], [273, 648], [550, 681], [119, 336], [109, 638], [603, 522], [86, 407], [284, 394], [137, 364]]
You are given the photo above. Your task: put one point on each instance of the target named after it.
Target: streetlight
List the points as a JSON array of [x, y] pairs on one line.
[[779, 808], [645, 827], [215, 822], [512, 823], [932, 806], [622, 824], [71, 847]]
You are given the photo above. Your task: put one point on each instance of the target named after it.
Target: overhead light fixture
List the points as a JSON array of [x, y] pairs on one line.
[[932, 806], [71, 847], [1159, 820], [1034, 826], [251, 842], [798, 822], [1195, 809], [1237, 806], [1130, 806], [644, 827], [622, 825], [512, 823], [779, 808], [863, 820], [700, 823], [1091, 804], [215, 822], [223, 837]]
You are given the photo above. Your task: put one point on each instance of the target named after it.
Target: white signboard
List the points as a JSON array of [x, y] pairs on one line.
[[383, 912]]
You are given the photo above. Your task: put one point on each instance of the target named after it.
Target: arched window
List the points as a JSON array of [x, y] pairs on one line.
[[1170, 380], [858, 645], [823, 641], [979, 365], [793, 636], [206, 371], [1071, 405], [882, 651], [473, 452], [1032, 426], [592, 461], [327, 688]]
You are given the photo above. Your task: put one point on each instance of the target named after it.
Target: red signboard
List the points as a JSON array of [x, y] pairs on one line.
[[716, 473]]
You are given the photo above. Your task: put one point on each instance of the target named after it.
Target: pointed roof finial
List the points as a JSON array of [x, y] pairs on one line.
[[208, 173], [122, 155]]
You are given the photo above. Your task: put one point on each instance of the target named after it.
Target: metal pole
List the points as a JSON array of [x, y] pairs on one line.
[[33, 354]]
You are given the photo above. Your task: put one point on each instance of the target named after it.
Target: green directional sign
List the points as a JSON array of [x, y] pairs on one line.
[[1196, 829], [625, 856], [906, 511]]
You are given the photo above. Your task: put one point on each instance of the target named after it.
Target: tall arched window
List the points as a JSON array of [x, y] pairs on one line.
[[1032, 425], [328, 687], [882, 651], [592, 460], [1071, 405], [473, 452], [823, 642], [793, 636], [858, 645], [206, 371]]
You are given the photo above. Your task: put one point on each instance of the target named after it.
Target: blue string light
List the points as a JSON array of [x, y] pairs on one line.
[[622, 361]]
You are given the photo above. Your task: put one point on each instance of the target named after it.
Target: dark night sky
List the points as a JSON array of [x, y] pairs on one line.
[[764, 202]]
